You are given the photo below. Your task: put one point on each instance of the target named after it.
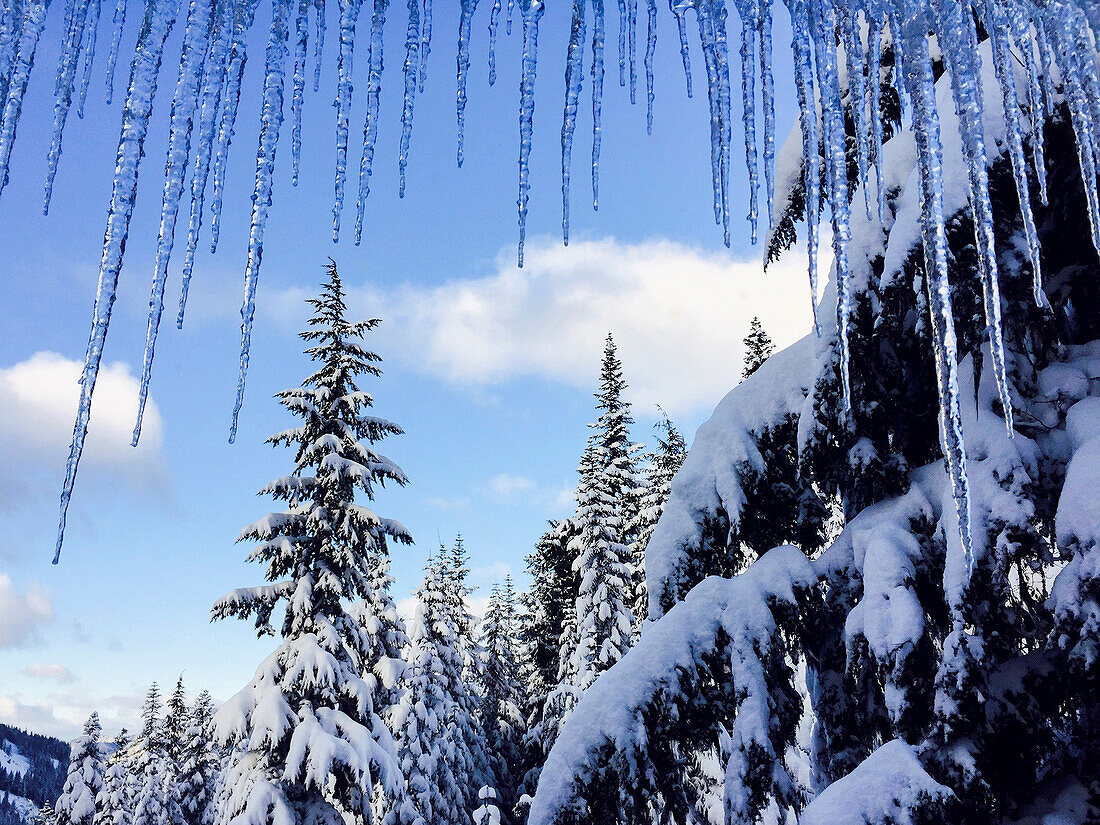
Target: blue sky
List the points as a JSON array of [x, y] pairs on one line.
[[488, 368]]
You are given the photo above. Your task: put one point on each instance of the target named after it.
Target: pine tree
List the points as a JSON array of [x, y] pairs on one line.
[[152, 802], [45, 815], [503, 699], [307, 739], [114, 804], [758, 346], [662, 467], [76, 805], [176, 722], [198, 764]]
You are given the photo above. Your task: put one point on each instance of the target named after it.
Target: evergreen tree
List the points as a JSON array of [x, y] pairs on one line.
[[76, 805], [307, 739], [153, 803], [114, 804], [758, 346], [662, 467], [176, 722], [503, 697], [45, 815], [198, 764]]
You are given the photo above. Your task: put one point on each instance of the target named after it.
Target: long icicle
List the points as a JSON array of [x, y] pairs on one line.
[[679, 9], [650, 52], [11, 24], [574, 74], [119, 23], [33, 21], [811, 159], [622, 42], [215, 73], [532, 12], [66, 81], [349, 14], [297, 97], [319, 44], [857, 99], [465, 22], [598, 29], [426, 39], [411, 66], [271, 120], [632, 46], [370, 126], [767, 94], [874, 91], [494, 22], [91, 26], [188, 83], [748, 102], [157, 22]]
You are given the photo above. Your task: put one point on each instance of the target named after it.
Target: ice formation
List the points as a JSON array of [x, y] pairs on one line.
[[1040, 52]]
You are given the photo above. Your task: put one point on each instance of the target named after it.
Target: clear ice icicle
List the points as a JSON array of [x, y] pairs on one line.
[[574, 74], [412, 56], [631, 46], [748, 102], [650, 52], [319, 44], [857, 98], [622, 42], [349, 14], [244, 15], [465, 21], [297, 97], [508, 18], [426, 39], [811, 159], [679, 9], [598, 29], [531, 11], [767, 93], [370, 124], [214, 76], [34, 19], [11, 23], [929, 154], [119, 23], [188, 83], [66, 80], [91, 27], [494, 21], [271, 119], [874, 91], [157, 22]]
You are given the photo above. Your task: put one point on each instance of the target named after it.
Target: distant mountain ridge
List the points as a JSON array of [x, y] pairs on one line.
[[32, 771]]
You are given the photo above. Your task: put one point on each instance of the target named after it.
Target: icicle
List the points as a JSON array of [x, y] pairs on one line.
[[297, 99], [1003, 68], [679, 9], [468, 7], [494, 17], [11, 24], [188, 83], [574, 73], [214, 77], [244, 15], [926, 127], [66, 79], [33, 20], [349, 14], [119, 22], [631, 46], [832, 117], [714, 12], [319, 45], [532, 12], [426, 39], [650, 51], [271, 119], [1021, 33], [622, 42], [748, 101], [1076, 101], [767, 93], [874, 68], [811, 159], [159, 16], [370, 125], [857, 98], [508, 18], [706, 38], [91, 26], [412, 54], [597, 96], [960, 46]]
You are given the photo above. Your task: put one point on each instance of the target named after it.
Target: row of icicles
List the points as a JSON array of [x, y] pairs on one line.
[[1046, 47]]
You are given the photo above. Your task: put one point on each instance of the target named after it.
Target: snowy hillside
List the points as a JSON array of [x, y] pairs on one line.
[[32, 771]]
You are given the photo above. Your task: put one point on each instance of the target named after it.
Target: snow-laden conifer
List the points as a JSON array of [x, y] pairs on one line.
[[114, 803], [758, 347], [307, 739], [76, 805], [198, 764]]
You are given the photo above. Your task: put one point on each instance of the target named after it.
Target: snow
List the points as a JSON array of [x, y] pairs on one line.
[[11, 760], [886, 787]]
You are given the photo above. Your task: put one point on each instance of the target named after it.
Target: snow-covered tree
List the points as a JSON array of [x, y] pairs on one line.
[[154, 802], [487, 811], [503, 696], [758, 347], [45, 815], [77, 803], [114, 803], [306, 739], [176, 722], [198, 764], [442, 753], [661, 468]]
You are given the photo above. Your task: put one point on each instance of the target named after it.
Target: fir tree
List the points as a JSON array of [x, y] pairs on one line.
[[76, 805], [503, 697], [198, 764], [114, 804], [662, 467], [307, 739], [153, 804], [45, 815], [176, 722], [758, 346]]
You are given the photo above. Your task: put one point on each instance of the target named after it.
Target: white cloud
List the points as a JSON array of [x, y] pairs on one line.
[[63, 714], [505, 485], [22, 615], [677, 314], [38, 400], [58, 673]]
